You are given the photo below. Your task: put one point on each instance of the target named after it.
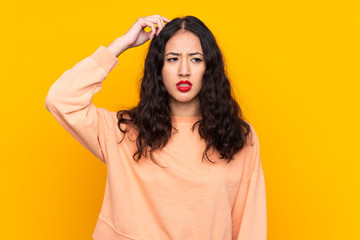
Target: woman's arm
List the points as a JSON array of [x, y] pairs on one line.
[[69, 99], [249, 214], [118, 46], [136, 35]]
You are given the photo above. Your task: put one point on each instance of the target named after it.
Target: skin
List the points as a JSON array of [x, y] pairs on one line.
[[176, 67], [136, 35], [182, 66]]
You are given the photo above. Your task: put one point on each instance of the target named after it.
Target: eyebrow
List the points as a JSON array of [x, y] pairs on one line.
[[178, 54]]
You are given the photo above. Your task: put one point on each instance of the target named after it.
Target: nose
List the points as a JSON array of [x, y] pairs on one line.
[[184, 68]]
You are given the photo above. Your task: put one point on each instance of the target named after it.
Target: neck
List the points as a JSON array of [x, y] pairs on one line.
[[189, 109]]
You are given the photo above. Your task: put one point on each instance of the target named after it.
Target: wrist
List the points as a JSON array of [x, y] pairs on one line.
[[118, 46]]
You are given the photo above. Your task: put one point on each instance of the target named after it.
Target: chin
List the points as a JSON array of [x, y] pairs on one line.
[[184, 100]]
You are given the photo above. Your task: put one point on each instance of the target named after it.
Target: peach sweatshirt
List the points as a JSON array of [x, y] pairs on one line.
[[189, 199]]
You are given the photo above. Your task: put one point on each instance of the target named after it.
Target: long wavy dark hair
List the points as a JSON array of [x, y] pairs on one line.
[[221, 124]]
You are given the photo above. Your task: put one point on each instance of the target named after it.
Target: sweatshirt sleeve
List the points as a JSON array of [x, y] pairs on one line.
[[69, 99], [249, 214]]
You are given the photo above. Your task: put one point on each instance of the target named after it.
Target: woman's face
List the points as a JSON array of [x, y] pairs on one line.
[[183, 69]]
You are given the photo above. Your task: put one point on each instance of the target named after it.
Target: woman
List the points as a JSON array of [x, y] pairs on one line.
[[186, 114]]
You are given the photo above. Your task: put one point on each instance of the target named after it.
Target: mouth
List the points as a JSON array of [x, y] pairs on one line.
[[184, 86]]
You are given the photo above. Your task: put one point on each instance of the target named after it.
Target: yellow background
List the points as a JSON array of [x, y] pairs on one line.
[[295, 69]]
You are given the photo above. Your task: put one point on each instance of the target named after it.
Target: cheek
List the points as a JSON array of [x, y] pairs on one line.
[[200, 76], [165, 78], [168, 75], [163, 75], [165, 72]]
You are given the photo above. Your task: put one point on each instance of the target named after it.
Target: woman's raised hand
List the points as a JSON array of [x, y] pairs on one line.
[[136, 35]]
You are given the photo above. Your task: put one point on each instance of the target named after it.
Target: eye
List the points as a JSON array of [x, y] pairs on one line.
[[197, 59], [171, 59]]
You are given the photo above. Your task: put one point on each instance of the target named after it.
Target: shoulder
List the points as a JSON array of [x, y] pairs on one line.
[[252, 138], [252, 159]]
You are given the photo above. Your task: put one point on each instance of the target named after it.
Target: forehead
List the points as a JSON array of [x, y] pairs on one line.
[[183, 41]]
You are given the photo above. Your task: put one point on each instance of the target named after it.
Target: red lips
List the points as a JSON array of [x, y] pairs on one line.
[[184, 88]]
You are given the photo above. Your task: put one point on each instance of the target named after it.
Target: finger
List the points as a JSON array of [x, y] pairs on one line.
[[157, 20], [165, 19], [160, 24], [152, 26], [162, 18]]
